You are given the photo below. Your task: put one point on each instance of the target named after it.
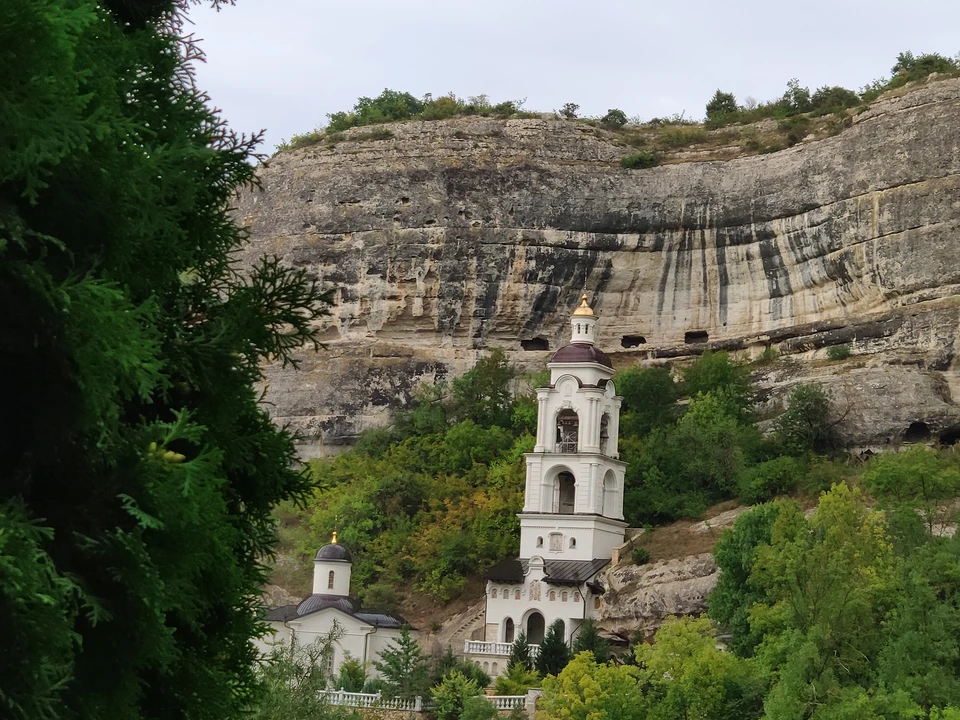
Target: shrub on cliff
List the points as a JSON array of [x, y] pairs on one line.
[[640, 160]]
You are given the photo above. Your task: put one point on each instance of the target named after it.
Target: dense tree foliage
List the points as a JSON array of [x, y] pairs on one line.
[[554, 653], [404, 668], [140, 469]]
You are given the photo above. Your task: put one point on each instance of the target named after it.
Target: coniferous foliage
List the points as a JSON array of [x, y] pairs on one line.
[[588, 638], [520, 652], [405, 670], [140, 470], [554, 652]]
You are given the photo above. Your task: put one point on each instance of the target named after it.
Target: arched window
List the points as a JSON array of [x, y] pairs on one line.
[[553, 595], [609, 504], [563, 596], [576, 597], [568, 425], [596, 603], [494, 669], [604, 433], [564, 495], [493, 593], [508, 630], [330, 581], [516, 594], [486, 666], [539, 542], [573, 543]]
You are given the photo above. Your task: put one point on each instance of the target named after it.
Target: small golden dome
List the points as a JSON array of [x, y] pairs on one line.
[[333, 540], [584, 308]]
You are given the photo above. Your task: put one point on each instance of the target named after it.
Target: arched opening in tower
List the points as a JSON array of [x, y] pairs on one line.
[[566, 493], [568, 427], [508, 630], [609, 494], [604, 433], [535, 628]]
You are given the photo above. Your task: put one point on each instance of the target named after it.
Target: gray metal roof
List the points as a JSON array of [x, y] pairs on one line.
[[380, 620], [334, 552], [315, 603], [557, 572]]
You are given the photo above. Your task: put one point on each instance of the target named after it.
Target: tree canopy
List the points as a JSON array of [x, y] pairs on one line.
[[140, 467]]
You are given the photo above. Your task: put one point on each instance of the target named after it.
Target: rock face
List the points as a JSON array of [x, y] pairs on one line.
[[451, 237]]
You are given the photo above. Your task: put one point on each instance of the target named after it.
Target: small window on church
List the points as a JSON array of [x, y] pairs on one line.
[[539, 542], [516, 594], [573, 543], [576, 597], [330, 581], [553, 595], [596, 603], [563, 596], [493, 593]]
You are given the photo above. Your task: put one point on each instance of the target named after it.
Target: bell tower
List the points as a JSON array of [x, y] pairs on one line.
[[573, 503]]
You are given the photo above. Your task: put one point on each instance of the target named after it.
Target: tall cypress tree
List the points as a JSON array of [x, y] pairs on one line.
[[520, 652], [589, 638], [554, 653], [140, 468]]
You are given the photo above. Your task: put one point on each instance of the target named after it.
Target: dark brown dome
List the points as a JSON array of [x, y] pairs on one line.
[[581, 353], [333, 552]]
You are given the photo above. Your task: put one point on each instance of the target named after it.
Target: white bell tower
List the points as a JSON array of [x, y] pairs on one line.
[[573, 506]]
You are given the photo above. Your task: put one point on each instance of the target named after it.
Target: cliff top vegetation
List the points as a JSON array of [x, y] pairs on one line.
[[790, 118]]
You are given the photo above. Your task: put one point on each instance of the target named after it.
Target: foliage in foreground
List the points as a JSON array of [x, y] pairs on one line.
[[141, 470], [850, 612]]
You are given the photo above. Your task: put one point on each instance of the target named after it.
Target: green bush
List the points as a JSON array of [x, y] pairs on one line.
[[640, 160], [722, 109], [796, 128], [768, 479], [682, 137], [517, 680], [615, 118], [838, 352], [477, 708], [451, 695], [831, 99], [804, 426], [640, 555]]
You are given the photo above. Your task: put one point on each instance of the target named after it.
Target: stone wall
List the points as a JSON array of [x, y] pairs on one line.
[[455, 236]]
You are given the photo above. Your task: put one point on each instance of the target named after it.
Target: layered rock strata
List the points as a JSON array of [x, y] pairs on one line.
[[448, 238]]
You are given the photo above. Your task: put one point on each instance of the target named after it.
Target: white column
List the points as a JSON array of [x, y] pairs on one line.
[[542, 432], [528, 489], [592, 507]]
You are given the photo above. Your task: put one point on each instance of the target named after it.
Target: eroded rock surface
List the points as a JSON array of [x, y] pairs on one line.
[[452, 237]]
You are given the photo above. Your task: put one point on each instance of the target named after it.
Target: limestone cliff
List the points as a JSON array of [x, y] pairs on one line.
[[450, 237]]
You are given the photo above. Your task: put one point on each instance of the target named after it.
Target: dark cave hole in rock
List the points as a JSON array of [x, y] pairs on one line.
[[631, 341], [917, 432], [696, 336], [537, 343], [950, 436]]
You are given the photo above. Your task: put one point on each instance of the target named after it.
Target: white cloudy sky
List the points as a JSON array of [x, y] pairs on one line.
[[283, 65]]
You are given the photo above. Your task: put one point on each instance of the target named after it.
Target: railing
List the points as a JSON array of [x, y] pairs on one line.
[[478, 647], [375, 700], [568, 446]]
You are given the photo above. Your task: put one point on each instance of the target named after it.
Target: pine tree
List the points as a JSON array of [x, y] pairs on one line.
[[520, 652], [554, 653], [405, 670], [589, 638], [140, 468]]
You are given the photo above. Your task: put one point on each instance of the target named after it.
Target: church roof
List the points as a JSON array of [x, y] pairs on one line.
[[556, 572], [316, 603], [333, 552], [578, 353]]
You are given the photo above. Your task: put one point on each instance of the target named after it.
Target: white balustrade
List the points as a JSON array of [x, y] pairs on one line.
[[479, 647], [507, 702], [375, 700]]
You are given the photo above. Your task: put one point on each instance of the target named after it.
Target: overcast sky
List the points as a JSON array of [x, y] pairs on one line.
[[283, 65]]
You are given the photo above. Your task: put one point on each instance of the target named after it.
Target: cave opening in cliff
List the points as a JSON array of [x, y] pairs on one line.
[[696, 336], [537, 343], [631, 341], [950, 436], [917, 432]]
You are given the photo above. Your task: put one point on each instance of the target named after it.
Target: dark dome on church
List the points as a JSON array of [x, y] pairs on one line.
[[333, 553], [581, 353], [316, 602]]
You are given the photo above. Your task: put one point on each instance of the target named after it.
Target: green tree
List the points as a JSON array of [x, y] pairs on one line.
[[520, 652], [516, 680], [716, 372], [588, 638], [482, 394], [353, 675], [446, 662], [405, 671], [649, 399], [722, 105], [293, 682], [805, 425], [554, 654], [388, 106], [477, 708], [451, 694], [586, 690], [615, 118], [142, 471]]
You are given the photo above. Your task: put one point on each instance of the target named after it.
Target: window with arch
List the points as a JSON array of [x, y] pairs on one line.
[[609, 502], [493, 593], [553, 595], [604, 432], [563, 596], [540, 542], [330, 581], [516, 594], [486, 666], [576, 597], [495, 669], [573, 543], [564, 493], [568, 426], [508, 630], [596, 603]]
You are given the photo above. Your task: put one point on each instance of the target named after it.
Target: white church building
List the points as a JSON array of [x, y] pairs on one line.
[[365, 634], [572, 518]]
